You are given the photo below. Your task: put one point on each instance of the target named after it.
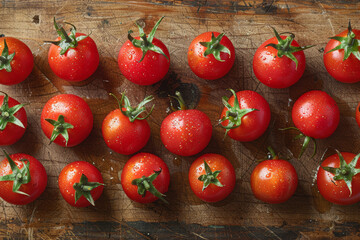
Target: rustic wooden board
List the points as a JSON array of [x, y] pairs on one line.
[[246, 23]]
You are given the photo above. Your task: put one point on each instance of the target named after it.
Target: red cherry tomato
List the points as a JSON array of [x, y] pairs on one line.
[[17, 68], [217, 178], [251, 125], [274, 68], [150, 70], [33, 182], [316, 114], [348, 70], [80, 180], [336, 191], [145, 178], [186, 132], [11, 131], [357, 114], [202, 60], [76, 62], [274, 181], [124, 131], [143, 61], [75, 111]]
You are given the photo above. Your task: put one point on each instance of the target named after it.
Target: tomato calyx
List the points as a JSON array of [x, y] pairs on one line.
[[67, 41], [84, 187], [285, 48], [346, 171], [145, 184], [234, 114], [131, 112], [7, 114], [146, 43], [60, 128], [215, 48], [180, 100], [349, 44], [5, 58], [210, 177], [18, 176], [306, 142], [271, 154]]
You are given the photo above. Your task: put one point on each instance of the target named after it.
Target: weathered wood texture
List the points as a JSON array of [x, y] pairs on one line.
[[246, 23]]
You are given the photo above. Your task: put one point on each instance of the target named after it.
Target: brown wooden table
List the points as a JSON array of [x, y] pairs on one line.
[[247, 23]]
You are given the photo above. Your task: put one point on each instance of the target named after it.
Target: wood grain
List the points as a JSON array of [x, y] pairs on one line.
[[240, 216]]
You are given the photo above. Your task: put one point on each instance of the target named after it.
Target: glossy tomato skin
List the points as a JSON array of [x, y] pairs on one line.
[[276, 72], [253, 124], [34, 188], [274, 181], [76, 112], [76, 64], [316, 114], [22, 63], [227, 177], [150, 70], [347, 71], [357, 114], [208, 67], [71, 174], [123, 136], [12, 133], [186, 132], [144, 164], [338, 193]]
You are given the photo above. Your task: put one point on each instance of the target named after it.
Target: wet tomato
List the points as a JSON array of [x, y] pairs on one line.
[[13, 120], [144, 60], [66, 120], [338, 180], [22, 178], [211, 55], [212, 177], [145, 178], [17, 61], [80, 184]]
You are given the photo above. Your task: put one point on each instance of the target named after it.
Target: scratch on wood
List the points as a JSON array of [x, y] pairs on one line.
[[332, 28], [198, 235], [274, 234], [129, 227], [200, 5]]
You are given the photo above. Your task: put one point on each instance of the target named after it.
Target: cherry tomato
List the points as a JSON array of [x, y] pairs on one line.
[[316, 114], [17, 62], [212, 177], [145, 178], [76, 60], [211, 55], [123, 130], [13, 120], [357, 114], [186, 132], [341, 64], [274, 181], [279, 62], [144, 61], [25, 189], [248, 112], [80, 184], [66, 119], [336, 190]]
